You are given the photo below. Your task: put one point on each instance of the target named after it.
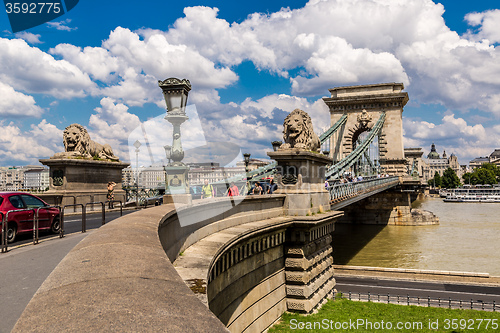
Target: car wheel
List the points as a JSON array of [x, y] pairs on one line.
[[56, 225], [11, 232]]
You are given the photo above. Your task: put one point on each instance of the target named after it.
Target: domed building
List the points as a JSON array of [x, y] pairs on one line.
[[434, 162], [433, 154]]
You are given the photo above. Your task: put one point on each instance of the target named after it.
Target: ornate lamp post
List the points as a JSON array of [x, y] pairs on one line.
[[176, 92], [246, 157], [276, 145], [137, 144]]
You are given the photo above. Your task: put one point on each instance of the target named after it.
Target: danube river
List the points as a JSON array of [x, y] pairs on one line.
[[467, 239]]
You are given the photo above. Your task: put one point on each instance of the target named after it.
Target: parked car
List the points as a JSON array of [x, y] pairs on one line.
[[22, 221]]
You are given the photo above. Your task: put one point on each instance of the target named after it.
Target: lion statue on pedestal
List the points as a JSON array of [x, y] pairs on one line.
[[77, 143], [298, 132]]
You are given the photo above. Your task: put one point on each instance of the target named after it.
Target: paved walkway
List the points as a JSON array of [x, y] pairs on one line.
[[23, 270]]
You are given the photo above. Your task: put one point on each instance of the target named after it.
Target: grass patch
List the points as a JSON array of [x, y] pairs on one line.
[[334, 314]]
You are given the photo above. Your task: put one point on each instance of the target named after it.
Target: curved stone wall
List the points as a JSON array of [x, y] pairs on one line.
[[188, 224], [120, 277]]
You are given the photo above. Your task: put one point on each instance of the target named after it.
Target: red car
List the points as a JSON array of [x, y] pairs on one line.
[[22, 221]]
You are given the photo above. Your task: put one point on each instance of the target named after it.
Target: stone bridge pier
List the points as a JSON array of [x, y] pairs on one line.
[[391, 207]]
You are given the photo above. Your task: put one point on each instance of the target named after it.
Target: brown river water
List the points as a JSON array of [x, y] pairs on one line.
[[467, 239]]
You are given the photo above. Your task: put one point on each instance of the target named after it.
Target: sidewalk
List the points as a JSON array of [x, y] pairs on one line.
[[23, 272]]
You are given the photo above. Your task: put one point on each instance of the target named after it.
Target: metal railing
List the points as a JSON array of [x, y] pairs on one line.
[[5, 221], [36, 218], [112, 202], [36, 221], [341, 191], [103, 210], [3, 233], [421, 301], [84, 218]]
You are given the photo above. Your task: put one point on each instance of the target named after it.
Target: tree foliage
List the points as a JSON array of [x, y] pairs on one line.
[[450, 179], [486, 174], [435, 181]]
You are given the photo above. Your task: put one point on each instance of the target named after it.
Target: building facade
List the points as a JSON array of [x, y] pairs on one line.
[[30, 177], [36, 179], [432, 163], [493, 158]]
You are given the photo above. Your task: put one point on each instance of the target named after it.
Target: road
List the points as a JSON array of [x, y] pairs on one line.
[[24, 268], [72, 224], [423, 290]]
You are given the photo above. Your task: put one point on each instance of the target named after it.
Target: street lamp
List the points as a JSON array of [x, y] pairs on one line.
[[137, 144], [175, 91], [246, 157], [276, 145]]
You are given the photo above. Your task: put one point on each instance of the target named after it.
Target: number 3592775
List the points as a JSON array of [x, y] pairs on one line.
[[33, 8]]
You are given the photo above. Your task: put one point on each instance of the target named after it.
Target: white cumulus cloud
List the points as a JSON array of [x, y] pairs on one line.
[[14, 103]]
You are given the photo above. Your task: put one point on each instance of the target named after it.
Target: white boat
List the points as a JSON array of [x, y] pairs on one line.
[[478, 193], [443, 193]]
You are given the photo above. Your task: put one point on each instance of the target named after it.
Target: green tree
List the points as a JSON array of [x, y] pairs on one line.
[[486, 174], [494, 169], [436, 181], [450, 179]]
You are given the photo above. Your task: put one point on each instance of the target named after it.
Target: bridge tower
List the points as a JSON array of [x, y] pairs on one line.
[[363, 105]]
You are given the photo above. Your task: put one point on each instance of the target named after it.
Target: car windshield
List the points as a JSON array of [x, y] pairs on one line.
[[32, 202]]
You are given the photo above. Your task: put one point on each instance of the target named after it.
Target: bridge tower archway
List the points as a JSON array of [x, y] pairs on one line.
[[363, 106]]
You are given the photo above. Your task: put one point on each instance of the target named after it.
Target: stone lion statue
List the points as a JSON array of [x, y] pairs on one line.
[[77, 143], [298, 132]]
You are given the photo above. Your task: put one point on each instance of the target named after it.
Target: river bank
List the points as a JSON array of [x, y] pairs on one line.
[[465, 240]]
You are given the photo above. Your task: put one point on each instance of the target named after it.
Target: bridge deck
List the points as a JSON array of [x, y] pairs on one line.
[[344, 194]]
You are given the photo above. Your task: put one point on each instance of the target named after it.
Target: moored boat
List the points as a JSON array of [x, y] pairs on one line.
[[478, 193]]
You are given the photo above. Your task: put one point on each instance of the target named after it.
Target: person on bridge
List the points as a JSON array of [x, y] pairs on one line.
[[233, 190], [272, 187], [207, 190], [257, 189], [111, 196]]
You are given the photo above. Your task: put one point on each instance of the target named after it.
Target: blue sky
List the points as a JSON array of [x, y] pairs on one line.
[[249, 65]]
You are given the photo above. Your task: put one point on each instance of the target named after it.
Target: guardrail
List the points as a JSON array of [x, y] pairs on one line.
[[421, 301], [341, 191], [103, 213], [84, 218], [36, 220], [5, 225], [36, 217], [112, 202]]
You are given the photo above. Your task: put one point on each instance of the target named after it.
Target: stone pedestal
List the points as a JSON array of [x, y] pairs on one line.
[[308, 264], [301, 176], [176, 179], [75, 181], [183, 199]]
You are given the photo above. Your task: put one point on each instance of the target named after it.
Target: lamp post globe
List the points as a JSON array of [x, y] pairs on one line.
[[276, 145], [246, 157]]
